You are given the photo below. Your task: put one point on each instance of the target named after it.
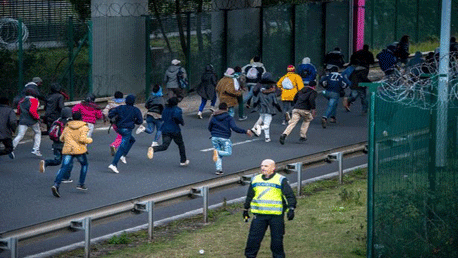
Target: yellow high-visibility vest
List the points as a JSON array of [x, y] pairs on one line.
[[268, 197]]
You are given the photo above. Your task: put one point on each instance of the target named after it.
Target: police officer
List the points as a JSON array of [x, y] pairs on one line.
[[269, 196]]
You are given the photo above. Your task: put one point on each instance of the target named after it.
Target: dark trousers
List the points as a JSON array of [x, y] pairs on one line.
[[57, 158], [8, 143], [258, 229], [167, 139]]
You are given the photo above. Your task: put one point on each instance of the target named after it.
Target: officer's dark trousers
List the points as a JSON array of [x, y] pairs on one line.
[[258, 229]]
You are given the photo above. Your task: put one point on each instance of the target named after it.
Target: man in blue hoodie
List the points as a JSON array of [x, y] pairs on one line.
[[127, 116], [221, 125]]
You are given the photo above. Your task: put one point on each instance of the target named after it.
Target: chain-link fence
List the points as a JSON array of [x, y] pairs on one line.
[[412, 189], [53, 46], [388, 20]]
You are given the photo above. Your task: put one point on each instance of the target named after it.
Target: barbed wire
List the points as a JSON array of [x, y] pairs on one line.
[[124, 10], [9, 31], [417, 85]]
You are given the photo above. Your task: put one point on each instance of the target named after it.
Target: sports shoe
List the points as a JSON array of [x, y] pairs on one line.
[[302, 139], [184, 164], [11, 155], [150, 153], [55, 191], [324, 122], [283, 123], [243, 118], [287, 116], [42, 166], [81, 187], [212, 109], [153, 144], [332, 120], [219, 172], [256, 130], [140, 129], [123, 159], [112, 150], [37, 153], [113, 168], [66, 181], [199, 114], [267, 140], [282, 139], [215, 155]]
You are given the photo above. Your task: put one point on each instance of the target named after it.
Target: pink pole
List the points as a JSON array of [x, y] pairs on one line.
[[359, 25]]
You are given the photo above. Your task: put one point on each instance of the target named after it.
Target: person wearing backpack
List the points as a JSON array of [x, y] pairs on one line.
[[115, 102], [53, 106], [305, 108], [206, 89], [155, 105], [253, 73], [172, 80], [307, 71], [8, 124], [226, 90], [333, 83], [289, 85], [75, 141], [128, 116], [56, 129], [90, 112]]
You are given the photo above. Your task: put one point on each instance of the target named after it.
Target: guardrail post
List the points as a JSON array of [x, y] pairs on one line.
[[84, 224], [245, 179], [147, 207], [337, 156], [296, 167], [10, 244], [203, 192]]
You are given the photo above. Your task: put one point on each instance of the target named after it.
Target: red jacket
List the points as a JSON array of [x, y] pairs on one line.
[[27, 109]]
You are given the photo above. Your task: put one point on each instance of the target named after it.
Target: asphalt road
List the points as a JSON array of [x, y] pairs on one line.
[[27, 198]]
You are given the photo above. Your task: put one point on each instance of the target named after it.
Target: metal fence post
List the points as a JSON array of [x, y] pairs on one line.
[[296, 167], [147, 207], [202, 192], [84, 224], [70, 56], [337, 156], [89, 39], [10, 244], [20, 57]]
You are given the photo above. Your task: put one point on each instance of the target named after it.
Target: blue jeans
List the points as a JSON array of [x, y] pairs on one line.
[[126, 143], [362, 95], [249, 95], [204, 102], [231, 111], [224, 148], [333, 100], [151, 124], [67, 165]]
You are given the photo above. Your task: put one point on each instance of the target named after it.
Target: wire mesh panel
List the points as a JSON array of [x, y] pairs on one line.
[[415, 213], [338, 27]]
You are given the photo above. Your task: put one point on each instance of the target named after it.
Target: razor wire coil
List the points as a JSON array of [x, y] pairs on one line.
[[9, 31]]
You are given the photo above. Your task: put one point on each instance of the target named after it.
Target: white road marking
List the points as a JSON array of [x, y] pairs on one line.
[[237, 143], [101, 128]]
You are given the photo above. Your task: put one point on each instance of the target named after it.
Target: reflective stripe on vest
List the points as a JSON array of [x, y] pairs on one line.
[[268, 197]]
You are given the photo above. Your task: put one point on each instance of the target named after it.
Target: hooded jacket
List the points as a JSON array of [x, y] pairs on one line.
[[173, 118], [28, 111], [206, 88], [155, 104], [222, 124], [259, 66], [170, 77], [65, 116], [387, 59], [305, 99], [288, 95], [226, 91], [89, 111], [128, 115], [54, 103], [264, 96], [8, 122], [75, 138], [335, 82], [309, 68]]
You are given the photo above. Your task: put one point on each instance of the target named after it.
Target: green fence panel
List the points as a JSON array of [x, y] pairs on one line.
[[338, 27]]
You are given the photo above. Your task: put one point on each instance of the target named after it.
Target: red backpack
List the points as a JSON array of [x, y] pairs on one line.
[[56, 130]]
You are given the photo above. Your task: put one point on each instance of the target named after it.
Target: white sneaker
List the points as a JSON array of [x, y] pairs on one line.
[[199, 114], [113, 168], [37, 153], [258, 129], [150, 153], [42, 166], [268, 140], [140, 129], [154, 144], [123, 159], [184, 164]]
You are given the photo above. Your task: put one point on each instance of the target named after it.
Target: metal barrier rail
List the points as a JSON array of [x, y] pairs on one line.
[[85, 220]]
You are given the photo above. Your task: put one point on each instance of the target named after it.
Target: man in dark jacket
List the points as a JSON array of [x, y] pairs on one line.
[[362, 57], [334, 83], [358, 75], [172, 118], [221, 125], [155, 105], [387, 60], [127, 117], [54, 104], [304, 107], [334, 57], [8, 124], [57, 145]]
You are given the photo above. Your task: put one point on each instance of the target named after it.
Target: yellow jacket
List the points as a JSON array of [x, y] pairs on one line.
[[288, 95], [75, 138]]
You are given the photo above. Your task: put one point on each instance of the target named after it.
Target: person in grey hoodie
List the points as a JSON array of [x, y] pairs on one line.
[[171, 80], [8, 124]]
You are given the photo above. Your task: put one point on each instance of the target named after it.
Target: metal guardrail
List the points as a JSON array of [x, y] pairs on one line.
[[85, 220]]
